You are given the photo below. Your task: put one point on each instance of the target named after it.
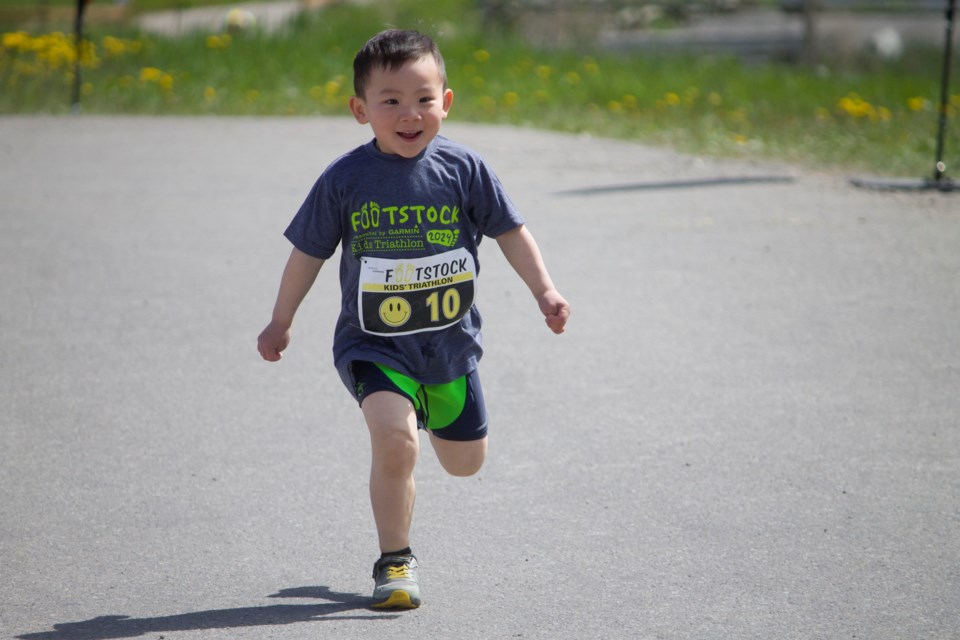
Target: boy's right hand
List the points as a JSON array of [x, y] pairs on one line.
[[272, 341], [555, 310]]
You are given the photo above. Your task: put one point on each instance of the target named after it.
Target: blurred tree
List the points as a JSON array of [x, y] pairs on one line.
[[495, 16], [808, 53]]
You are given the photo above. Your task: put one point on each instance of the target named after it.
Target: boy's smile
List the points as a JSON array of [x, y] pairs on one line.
[[404, 107]]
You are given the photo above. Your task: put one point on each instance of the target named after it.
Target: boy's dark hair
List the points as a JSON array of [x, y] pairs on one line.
[[390, 50]]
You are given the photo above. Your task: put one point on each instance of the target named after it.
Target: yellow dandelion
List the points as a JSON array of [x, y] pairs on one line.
[[856, 107], [477, 82], [615, 106], [481, 55], [221, 41], [671, 98], [88, 55], [572, 77], [715, 99], [114, 47], [55, 51], [209, 94], [252, 95], [19, 40], [150, 74], [544, 72], [510, 98], [917, 103], [166, 82]]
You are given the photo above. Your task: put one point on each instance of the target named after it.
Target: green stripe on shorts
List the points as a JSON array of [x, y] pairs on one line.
[[440, 404]]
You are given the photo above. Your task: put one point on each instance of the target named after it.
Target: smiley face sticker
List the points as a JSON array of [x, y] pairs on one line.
[[394, 311]]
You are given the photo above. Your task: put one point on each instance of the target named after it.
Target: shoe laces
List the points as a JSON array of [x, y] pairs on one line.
[[394, 568], [398, 571]]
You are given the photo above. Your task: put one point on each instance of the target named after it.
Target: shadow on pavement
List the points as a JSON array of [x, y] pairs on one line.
[[676, 184], [103, 627]]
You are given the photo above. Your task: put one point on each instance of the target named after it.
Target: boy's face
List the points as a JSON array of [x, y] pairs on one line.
[[404, 107]]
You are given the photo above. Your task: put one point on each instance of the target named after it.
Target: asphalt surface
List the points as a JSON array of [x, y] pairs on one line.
[[750, 429]]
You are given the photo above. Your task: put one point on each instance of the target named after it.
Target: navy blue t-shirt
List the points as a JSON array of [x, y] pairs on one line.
[[409, 229]]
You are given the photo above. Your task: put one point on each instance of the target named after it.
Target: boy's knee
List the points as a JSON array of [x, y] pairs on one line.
[[463, 468], [460, 459], [395, 451]]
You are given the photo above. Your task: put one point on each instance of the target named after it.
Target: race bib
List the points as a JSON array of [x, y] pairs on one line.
[[399, 297]]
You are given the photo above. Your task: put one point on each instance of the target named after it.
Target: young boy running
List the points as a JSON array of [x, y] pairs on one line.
[[409, 210]]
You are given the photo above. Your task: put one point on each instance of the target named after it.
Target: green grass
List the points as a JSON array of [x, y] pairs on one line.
[[857, 115]]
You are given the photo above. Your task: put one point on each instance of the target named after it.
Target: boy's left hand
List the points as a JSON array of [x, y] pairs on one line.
[[273, 340], [555, 309]]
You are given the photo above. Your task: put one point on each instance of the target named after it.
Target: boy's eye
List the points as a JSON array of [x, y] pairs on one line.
[[426, 99], [391, 101]]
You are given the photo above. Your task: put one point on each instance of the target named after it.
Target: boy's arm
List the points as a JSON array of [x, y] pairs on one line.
[[523, 254], [298, 277]]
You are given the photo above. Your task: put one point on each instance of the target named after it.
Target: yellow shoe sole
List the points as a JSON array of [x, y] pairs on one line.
[[398, 600]]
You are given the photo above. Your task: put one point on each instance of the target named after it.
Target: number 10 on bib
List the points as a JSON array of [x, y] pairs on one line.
[[400, 297]]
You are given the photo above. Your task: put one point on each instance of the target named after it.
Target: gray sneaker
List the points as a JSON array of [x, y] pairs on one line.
[[396, 583]]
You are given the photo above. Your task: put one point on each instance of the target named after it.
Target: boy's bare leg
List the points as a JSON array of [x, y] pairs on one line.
[[394, 448], [460, 458]]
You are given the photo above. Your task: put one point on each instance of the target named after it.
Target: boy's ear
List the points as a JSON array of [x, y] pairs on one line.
[[447, 102], [359, 110]]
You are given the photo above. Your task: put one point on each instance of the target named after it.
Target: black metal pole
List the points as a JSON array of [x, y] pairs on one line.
[[939, 181], [78, 44], [940, 168]]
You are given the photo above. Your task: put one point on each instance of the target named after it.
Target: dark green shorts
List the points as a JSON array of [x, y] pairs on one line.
[[452, 411]]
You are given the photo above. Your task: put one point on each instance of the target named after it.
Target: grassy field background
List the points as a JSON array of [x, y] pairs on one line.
[[855, 113]]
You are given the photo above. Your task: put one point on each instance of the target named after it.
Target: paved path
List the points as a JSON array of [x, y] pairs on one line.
[[748, 32], [767, 33], [268, 16], [749, 431]]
